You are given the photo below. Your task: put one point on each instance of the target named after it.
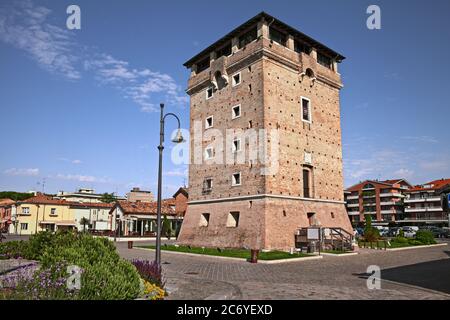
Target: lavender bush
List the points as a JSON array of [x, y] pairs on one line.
[[150, 271]]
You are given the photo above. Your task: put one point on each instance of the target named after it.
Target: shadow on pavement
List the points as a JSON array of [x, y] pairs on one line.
[[434, 275]]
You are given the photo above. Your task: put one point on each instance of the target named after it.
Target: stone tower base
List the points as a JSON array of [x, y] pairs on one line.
[[265, 222]]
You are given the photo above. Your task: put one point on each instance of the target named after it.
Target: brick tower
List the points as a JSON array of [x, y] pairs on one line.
[[266, 81]]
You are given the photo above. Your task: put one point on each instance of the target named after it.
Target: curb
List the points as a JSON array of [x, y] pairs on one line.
[[418, 247], [290, 260], [339, 255]]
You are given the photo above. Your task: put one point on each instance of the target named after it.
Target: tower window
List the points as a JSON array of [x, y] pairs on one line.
[[236, 179], [324, 60], [224, 51], [236, 145], [209, 153], [248, 37], [207, 184], [236, 112], [233, 220], [209, 122], [209, 93], [306, 109], [306, 183], [236, 79], [203, 65], [302, 47], [277, 36], [312, 218], [204, 220]]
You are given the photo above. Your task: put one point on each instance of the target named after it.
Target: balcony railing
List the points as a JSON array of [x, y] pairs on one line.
[[430, 199], [429, 209]]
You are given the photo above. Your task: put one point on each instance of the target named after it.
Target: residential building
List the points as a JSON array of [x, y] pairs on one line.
[[139, 218], [95, 214], [267, 78], [7, 211], [181, 199], [423, 203], [82, 195], [138, 195], [383, 200], [42, 212]]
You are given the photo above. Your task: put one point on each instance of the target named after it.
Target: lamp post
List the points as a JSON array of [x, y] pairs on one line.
[[178, 139]]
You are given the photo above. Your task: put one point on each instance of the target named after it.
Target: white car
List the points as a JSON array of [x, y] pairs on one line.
[[409, 232]]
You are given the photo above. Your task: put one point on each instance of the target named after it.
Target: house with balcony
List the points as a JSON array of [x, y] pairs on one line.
[[423, 203], [383, 200]]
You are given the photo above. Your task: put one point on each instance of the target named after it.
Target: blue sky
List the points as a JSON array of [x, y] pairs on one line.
[[77, 107]]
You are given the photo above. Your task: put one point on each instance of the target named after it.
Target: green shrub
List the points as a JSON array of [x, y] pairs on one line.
[[400, 239], [105, 275], [425, 237], [414, 242]]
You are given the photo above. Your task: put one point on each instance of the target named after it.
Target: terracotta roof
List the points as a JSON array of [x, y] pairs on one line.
[[432, 185], [389, 182], [6, 202], [149, 208], [44, 199]]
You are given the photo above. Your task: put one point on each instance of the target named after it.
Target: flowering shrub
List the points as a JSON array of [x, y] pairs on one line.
[[105, 275], [153, 292], [45, 284], [150, 271]]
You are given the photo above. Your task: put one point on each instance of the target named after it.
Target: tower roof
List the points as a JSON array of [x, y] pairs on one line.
[[273, 21]]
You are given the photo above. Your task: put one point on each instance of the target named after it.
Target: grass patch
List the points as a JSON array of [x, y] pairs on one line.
[[232, 253]]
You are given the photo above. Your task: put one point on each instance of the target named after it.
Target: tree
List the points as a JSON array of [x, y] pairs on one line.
[[370, 233], [84, 221], [108, 197], [16, 196], [166, 228]]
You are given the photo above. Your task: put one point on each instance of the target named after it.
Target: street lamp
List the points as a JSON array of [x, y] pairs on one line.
[[178, 139]]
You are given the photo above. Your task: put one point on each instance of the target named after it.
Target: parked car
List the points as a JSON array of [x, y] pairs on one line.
[[437, 232], [409, 232], [393, 232]]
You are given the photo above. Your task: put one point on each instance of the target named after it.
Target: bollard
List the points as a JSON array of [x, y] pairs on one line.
[[130, 244], [254, 256]]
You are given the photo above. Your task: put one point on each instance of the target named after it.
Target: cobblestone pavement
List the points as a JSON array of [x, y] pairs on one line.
[[204, 277]]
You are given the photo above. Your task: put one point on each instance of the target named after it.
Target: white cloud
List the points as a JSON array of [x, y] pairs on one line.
[[403, 173], [176, 173], [82, 178], [22, 172], [76, 161], [26, 27], [424, 139]]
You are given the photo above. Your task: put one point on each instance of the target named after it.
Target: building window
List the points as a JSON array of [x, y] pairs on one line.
[[233, 220], [312, 218], [306, 184], [236, 79], [209, 153], [207, 184], [224, 51], [248, 37], [209, 93], [53, 211], [26, 210], [209, 122], [236, 145], [302, 47], [236, 179], [204, 220], [202, 65], [332, 215], [306, 109], [277, 36], [324, 60], [24, 226], [236, 112]]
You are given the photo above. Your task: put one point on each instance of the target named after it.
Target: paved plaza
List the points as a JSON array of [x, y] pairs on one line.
[[409, 274]]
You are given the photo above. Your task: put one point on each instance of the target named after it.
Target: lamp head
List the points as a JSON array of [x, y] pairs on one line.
[[178, 137]]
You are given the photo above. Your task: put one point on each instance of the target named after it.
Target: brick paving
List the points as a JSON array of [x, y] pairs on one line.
[[329, 278]]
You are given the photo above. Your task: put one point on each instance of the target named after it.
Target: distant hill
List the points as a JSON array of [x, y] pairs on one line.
[[16, 196]]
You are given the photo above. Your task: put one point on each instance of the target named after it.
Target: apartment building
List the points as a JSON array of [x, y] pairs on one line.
[[383, 200], [267, 78], [85, 195], [423, 203]]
